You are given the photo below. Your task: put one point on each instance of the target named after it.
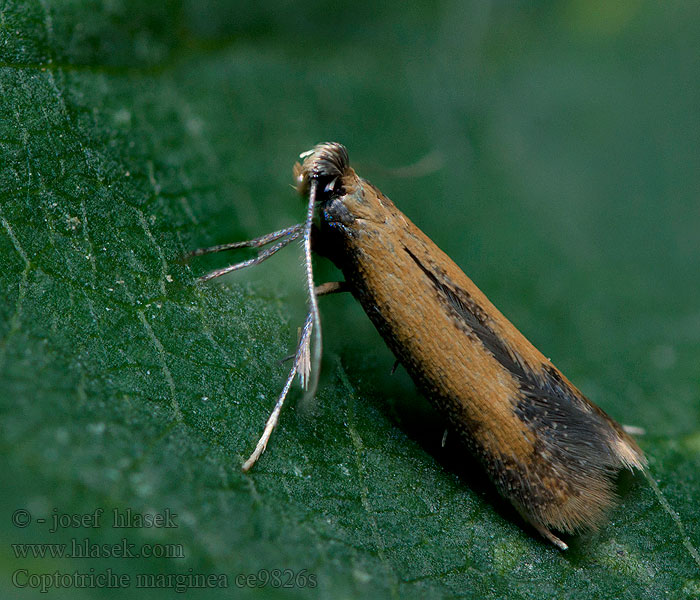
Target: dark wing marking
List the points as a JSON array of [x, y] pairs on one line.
[[565, 423]]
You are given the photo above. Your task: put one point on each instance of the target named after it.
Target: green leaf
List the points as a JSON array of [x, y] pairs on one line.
[[560, 169]]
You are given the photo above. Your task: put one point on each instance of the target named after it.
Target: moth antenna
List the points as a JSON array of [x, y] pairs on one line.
[[306, 359], [275, 414], [302, 358], [309, 369]]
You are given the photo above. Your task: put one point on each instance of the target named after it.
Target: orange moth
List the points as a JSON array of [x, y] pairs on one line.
[[547, 448]]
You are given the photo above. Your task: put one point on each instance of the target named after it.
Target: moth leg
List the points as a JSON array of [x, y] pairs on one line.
[[262, 256], [547, 534], [331, 287], [254, 243]]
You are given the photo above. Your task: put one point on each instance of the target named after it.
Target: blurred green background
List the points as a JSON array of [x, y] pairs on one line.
[[551, 148]]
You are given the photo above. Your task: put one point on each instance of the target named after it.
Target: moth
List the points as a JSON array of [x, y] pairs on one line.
[[547, 448]]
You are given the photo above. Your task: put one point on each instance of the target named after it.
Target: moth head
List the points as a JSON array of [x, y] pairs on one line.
[[326, 164]]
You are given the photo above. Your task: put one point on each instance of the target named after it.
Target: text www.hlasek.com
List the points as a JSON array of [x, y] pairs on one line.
[[86, 549]]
